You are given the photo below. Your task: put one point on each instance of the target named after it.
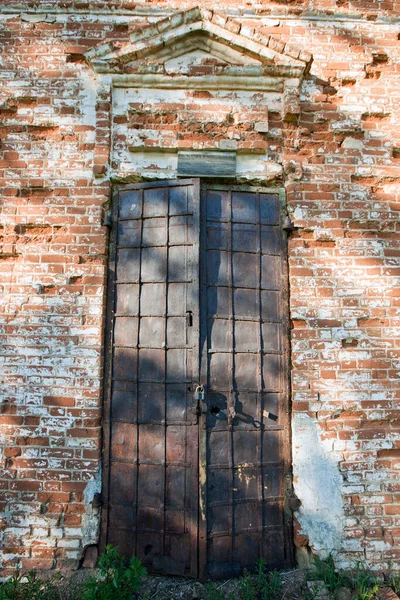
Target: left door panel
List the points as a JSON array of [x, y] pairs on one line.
[[150, 462]]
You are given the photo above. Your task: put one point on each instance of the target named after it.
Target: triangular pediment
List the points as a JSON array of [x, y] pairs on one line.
[[195, 57], [189, 55], [199, 41]]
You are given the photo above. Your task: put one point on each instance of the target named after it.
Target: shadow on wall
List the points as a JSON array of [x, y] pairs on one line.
[[343, 277]]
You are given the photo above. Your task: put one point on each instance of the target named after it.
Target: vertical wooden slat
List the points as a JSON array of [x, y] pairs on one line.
[[204, 379], [166, 200], [195, 341], [260, 402], [136, 416], [286, 391], [232, 390]]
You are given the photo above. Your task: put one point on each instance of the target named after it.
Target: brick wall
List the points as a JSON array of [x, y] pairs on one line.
[[340, 159]]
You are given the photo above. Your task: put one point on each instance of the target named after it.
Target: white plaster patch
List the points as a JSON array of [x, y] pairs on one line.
[[353, 143], [318, 484], [249, 166], [91, 519], [88, 103], [162, 165], [298, 214]]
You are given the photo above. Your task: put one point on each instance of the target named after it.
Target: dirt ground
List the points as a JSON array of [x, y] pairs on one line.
[[176, 588], [181, 588]]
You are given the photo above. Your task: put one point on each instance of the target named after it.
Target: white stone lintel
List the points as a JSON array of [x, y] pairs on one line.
[[211, 82]]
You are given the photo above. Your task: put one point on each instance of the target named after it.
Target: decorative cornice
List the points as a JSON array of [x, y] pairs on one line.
[[152, 45]]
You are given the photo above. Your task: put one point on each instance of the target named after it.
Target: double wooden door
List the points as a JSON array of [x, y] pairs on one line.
[[196, 438]]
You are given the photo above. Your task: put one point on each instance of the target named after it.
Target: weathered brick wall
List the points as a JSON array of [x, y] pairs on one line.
[[340, 159], [52, 281]]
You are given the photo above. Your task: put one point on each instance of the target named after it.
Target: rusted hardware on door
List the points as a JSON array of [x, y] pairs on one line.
[[294, 503], [201, 406], [189, 318], [107, 218], [288, 226], [231, 407]]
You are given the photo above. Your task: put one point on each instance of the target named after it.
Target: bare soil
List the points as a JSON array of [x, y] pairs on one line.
[[157, 587]]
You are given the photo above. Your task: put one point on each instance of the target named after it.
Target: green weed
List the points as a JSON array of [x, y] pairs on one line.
[[364, 583], [28, 587], [264, 585], [312, 593], [246, 587], [117, 580], [394, 583], [361, 581], [324, 570], [213, 593]]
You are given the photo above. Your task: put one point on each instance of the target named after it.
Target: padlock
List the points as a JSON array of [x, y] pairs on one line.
[[199, 393]]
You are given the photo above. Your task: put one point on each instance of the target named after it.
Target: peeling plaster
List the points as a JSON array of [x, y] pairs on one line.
[[353, 143], [88, 101], [91, 518], [319, 485]]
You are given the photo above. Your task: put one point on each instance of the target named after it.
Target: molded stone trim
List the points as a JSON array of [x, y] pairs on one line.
[[157, 43]]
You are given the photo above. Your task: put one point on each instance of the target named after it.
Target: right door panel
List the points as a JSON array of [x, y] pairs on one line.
[[244, 435]]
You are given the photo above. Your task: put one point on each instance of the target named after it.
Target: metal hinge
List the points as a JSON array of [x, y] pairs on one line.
[[288, 225], [107, 218]]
